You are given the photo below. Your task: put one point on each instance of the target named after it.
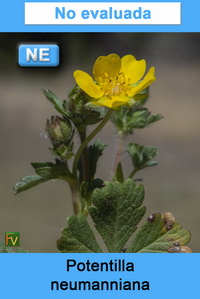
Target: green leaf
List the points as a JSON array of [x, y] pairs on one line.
[[137, 120], [78, 237], [96, 183], [58, 104], [156, 236], [45, 171], [63, 151], [128, 119], [142, 155], [116, 212], [77, 110], [94, 152], [119, 176], [92, 117], [27, 182], [87, 188], [48, 170], [153, 118]]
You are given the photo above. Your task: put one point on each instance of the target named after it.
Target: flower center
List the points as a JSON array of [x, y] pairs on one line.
[[114, 86]]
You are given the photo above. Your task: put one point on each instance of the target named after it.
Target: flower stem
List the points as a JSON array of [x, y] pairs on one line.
[[75, 199], [119, 149], [85, 160], [87, 140], [133, 173]]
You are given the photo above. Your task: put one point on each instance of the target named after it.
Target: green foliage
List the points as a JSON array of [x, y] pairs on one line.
[[127, 119], [65, 152], [116, 212], [156, 236], [141, 155], [27, 182], [153, 118], [115, 207], [119, 176], [45, 171], [51, 170], [78, 237], [94, 153], [87, 187], [58, 104], [7, 249], [77, 110]]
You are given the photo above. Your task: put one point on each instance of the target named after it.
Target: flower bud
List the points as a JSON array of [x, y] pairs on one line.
[[59, 130]]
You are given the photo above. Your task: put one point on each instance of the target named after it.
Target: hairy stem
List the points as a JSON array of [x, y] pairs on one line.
[[76, 199], [87, 140], [85, 160], [133, 173], [119, 149]]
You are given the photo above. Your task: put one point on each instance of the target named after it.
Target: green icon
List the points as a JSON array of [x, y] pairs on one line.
[[12, 239]]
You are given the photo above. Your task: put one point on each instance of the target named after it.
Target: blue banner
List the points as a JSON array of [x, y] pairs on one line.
[[137, 16], [90, 275]]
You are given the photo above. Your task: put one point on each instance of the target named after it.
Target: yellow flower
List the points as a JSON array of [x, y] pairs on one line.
[[116, 80]]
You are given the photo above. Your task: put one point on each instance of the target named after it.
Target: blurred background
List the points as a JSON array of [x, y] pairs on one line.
[[172, 186]]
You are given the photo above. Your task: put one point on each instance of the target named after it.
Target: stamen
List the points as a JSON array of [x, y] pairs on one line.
[[114, 86]]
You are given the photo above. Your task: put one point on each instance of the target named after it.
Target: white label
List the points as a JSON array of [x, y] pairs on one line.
[[103, 13]]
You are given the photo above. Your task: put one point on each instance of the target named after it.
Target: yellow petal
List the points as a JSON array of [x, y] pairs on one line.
[[148, 80], [87, 84], [112, 103], [133, 69], [106, 67]]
